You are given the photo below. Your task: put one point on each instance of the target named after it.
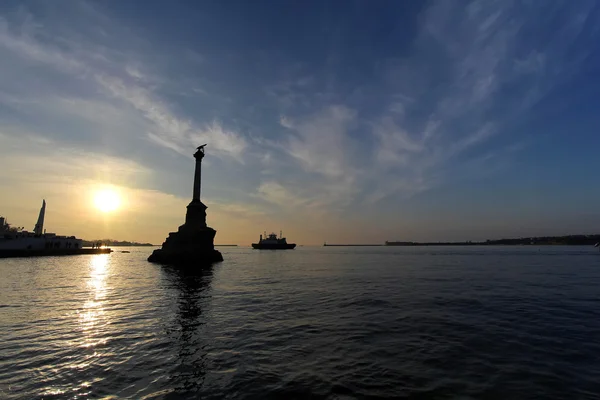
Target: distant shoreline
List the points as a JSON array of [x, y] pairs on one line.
[[449, 244], [570, 240]]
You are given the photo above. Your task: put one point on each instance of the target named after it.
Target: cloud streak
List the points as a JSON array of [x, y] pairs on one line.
[[165, 127], [480, 49]]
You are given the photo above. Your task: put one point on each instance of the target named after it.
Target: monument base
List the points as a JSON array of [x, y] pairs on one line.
[[192, 245], [186, 259]]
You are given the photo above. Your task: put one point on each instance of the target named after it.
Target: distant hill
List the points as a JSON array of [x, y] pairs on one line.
[[114, 243]]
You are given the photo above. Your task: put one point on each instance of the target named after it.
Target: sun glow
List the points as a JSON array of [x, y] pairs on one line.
[[107, 200]]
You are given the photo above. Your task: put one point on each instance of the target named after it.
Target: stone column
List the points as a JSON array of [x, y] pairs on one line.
[[198, 173]]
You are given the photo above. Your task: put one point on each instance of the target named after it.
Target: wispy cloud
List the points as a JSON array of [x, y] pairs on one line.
[[395, 144], [448, 102], [130, 86], [480, 51], [38, 165], [170, 131], [321, 142]]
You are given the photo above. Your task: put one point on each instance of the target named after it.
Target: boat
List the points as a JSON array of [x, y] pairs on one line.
[[15, 242], [272, 242]]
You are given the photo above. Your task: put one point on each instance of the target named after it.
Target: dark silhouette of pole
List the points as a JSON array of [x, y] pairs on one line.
[[199, 155]]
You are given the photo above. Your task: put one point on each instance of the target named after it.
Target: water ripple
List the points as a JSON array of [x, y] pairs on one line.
[[321, 323]]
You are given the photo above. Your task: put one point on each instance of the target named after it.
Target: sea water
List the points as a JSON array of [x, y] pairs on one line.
[[314, 322]]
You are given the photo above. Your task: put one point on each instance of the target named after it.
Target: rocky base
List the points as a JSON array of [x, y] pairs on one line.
[[186, 258]]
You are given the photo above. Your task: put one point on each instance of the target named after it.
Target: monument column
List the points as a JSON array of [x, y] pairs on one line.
[[192, 245], [199, 155]]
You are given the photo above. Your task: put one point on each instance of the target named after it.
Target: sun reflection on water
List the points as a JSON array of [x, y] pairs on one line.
[[93, 316]]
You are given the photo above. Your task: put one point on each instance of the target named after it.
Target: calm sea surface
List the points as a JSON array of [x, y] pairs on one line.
[[331, 323]]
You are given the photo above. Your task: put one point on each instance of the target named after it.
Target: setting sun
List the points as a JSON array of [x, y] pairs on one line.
[[107, 200]]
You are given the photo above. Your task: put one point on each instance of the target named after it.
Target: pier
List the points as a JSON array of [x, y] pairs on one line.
[[351, 245], [13, 253]]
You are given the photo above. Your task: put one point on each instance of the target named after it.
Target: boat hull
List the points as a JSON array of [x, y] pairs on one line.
[[10, 253], [273, 246]]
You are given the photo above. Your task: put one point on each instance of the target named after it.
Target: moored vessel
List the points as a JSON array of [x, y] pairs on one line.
[[272, 242], [15, 242]]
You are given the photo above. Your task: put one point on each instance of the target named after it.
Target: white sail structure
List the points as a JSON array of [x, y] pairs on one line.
[[39, 226]]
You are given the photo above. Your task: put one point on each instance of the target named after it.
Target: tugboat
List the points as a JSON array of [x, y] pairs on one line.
[[15, 242], [272, 242]]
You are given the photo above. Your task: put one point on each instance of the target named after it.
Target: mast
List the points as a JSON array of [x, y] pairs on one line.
[[39, 226]]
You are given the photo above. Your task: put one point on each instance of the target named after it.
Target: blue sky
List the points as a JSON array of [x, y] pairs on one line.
[[338, 121]]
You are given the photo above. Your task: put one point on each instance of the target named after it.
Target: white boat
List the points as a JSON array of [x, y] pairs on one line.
[[15, 242]]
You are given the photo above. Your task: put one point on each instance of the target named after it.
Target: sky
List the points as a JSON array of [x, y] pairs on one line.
[[338, 121]]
